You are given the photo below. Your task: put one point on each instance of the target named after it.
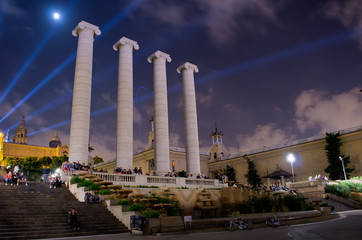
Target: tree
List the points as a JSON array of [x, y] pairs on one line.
[[97, 160], [230, 172], [252, 175], [335, 168]]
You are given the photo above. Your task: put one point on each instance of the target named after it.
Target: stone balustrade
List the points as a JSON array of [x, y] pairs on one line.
[[143, 180]]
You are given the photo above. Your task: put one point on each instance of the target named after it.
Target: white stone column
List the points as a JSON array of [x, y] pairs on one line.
[[124, 157], [162, 145], [79, 126], [190, 118]]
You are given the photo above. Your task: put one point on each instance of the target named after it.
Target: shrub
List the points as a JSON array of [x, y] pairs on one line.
[[137, 207], [75, 180], [123, 202], [174, 210], [104, 192], [324, 204], [309, 205], [257, 204], [86, 183], [151, 214], [343, 189], [182, 174], [93, 187], [267, 203], [293, 202], [143, 186]]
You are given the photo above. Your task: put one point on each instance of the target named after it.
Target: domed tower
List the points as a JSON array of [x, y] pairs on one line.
[[21, 133], [217, 150], [55, 141]]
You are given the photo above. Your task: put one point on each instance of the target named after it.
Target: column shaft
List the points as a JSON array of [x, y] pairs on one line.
[[124, 156], [162, 146], [190, 119], [79, 126]]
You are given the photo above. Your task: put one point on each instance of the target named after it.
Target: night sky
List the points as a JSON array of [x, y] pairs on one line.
[[271, 71]]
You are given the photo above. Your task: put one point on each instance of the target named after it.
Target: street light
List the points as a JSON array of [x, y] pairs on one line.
[[291, 159], [344, 170]]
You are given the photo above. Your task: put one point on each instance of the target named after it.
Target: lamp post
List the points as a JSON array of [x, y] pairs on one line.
[[291, 159], [344, 170]]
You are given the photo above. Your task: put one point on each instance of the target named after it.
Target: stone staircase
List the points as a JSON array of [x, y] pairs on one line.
[[36, 211]]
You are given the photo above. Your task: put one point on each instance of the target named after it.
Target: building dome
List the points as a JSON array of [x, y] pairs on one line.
[[55, 141]]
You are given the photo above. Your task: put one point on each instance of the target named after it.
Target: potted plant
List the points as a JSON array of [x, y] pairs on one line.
[[325, 208]]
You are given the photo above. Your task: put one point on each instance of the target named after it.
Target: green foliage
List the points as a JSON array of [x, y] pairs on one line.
[[75, 180], [143, 186], [252, 175], [343, 189], [230, 172], [35, 165], [151, 214], [335, 169], [309, 205], [137, 207], [293, 202], [97, 160], [123, 202], [257, 204], [175, 210], [104, 192], [324, 204], [268, 203], [356, 178], [93, 187], [182, 173], [242, 207], [85, 183]]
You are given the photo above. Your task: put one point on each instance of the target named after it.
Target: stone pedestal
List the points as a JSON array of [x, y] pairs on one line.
[[124, 156], [190, 118], [162, 154], [79, 126]]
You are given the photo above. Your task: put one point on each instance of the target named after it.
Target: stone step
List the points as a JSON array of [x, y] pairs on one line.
[[37, 211]]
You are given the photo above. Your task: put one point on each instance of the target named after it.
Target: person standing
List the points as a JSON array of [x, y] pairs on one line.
[[46, 172]]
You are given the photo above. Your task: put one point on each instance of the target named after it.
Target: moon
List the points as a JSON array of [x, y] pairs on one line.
[[56, 16]]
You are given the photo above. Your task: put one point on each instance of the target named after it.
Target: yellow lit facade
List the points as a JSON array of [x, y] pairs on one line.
[[310, 157], [20, 148]]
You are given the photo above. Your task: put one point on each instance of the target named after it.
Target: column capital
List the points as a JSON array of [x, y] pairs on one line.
[[82, 25], [124, 41], [187, 65], [159, 54]]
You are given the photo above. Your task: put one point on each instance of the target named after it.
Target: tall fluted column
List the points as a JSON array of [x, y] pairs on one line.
[[124, 157], [190, 118], [162, 146], [79, 125]]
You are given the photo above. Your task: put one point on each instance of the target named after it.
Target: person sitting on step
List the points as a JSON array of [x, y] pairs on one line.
[[9, 178], [22, 179], [73, 219], [15, 178], [88, 197], [96, 197]]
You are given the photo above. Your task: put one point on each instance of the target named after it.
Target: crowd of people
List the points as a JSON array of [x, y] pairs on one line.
[[128, 171], [318, 176], [67, 166], [14, 177]]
